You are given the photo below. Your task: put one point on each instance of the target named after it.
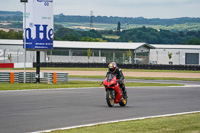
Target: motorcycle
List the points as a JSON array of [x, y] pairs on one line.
[[114, 93]]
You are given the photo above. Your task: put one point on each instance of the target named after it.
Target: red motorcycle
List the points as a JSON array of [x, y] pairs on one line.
[[114, 94]]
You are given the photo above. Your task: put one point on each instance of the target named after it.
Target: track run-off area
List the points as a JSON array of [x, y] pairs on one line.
[[40, 110]]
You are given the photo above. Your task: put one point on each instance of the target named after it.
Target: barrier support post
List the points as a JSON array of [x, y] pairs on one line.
[[54, 78], [12, 77]]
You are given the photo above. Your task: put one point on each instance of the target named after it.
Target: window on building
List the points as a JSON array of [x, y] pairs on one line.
[[59, 52]]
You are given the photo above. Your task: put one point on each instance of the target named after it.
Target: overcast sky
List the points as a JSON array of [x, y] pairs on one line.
[[122, 8]]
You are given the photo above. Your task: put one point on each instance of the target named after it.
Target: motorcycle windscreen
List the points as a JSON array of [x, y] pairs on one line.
[[110, 76]]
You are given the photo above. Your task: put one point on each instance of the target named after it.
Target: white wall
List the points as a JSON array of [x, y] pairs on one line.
[[75, 59], [21, 65], [17, 54]]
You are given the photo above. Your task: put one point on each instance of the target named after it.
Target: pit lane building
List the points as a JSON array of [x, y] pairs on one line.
[[71, 51], [103, 52]]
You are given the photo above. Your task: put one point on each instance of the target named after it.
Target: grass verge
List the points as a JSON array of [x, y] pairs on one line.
[[144, 78], [71, 84], [188, 123]]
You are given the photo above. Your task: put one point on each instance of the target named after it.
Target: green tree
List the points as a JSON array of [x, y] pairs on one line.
[[11, 34], [128, 53], [89, 53], [170, 55], [10, 57], [193, 41], [90, 39], [152, 36], [71, 37]]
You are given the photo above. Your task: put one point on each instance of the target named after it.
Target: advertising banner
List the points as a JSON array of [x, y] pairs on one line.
[[39, 25]]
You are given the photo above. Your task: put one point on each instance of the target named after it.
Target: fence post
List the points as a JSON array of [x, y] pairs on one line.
[[12, 77], [54, 78]]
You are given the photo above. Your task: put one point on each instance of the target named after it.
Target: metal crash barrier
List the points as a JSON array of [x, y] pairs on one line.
[[18, 77], [126, 66]]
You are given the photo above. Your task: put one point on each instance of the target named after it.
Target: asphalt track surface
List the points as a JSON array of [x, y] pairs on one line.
[[142, 81], [36, 110]]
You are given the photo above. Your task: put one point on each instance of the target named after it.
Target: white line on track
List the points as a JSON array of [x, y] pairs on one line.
[[131, 119], [187, 86], [53, 89], [57, 89]]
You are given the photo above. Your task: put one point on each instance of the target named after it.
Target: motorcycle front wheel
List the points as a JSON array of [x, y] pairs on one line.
[[110, 100]]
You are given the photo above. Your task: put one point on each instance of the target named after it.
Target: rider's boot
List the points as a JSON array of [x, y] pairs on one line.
[[124, 91]]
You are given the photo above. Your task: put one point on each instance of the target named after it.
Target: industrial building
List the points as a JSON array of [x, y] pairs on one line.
[[11, 51], [180, 54]]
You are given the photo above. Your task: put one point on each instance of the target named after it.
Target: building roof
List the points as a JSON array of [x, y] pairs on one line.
[[86, 45], [99, 45], [11, 42], [105, 45], [168, 46]]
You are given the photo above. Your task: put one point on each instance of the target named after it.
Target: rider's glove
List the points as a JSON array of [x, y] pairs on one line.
[[101, 83]]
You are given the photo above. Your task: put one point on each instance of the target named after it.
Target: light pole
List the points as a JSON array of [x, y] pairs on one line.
[[24, 29], [179, 57], [179, 53], [4, 55], [18, 55], [157, 56]]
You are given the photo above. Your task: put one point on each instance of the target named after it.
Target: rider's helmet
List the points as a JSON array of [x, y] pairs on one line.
[[112, 67]]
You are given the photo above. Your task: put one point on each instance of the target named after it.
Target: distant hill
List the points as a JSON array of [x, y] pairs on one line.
[[6, 14], [17, 16], [11, 16], [10, 13], [127, 20]]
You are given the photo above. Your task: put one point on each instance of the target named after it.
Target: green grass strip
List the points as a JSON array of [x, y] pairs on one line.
[[189, 123], [164, 78], [71, 84], [144, 78]]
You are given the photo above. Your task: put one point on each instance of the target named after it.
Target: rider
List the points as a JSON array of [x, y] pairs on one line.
[[112, 68]]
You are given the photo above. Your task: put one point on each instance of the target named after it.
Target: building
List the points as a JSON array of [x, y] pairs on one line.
[[103, 52], [180, 54], [83, 52]]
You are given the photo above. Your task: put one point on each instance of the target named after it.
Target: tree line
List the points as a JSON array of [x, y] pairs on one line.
[[125, 20], [153, 36], [67, 34], [11, 34], [143, 34], [17, 16]]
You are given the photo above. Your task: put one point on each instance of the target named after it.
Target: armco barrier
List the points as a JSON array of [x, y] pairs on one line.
[[126, 66], [18, 77]]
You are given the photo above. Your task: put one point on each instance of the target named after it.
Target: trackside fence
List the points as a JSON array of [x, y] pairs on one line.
[[126, 66], [18, 77]]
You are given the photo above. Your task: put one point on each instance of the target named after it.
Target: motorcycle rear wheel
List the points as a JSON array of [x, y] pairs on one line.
[[109, 99], [124, 101]]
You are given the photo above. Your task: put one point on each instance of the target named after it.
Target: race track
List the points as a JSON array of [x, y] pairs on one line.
[[196, 83], [36, 110]]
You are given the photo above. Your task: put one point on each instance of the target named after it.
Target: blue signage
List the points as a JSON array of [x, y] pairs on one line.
[[43, 38], [46, 2], [39, 25]]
